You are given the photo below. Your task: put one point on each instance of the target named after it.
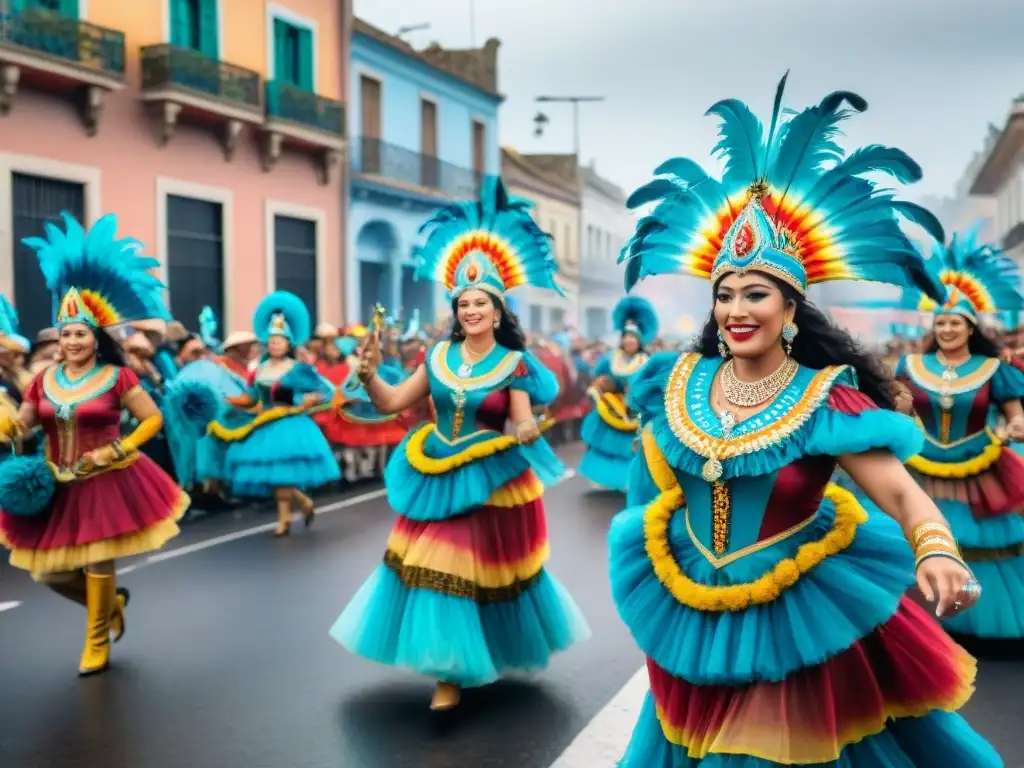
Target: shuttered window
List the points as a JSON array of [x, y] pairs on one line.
[[295, 260], [63, 7], [293, 55], [194, 25]]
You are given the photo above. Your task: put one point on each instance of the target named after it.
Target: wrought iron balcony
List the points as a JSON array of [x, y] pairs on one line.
[[304, 121], [61, 54], [181, 81], [373, 157]]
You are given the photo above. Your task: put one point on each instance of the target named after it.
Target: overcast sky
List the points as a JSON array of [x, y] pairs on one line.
[[934, 73]]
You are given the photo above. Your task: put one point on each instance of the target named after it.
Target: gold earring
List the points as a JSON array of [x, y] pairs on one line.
[[497, 323], [789, 332], [723, 348]]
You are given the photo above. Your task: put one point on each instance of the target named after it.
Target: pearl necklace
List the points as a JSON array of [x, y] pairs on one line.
[[750, 394]]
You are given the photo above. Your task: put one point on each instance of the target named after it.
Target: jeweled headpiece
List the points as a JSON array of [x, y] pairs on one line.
[[790, 204], [636, 315], [282, 314], [95, 278], [977, 277], [492, 244]]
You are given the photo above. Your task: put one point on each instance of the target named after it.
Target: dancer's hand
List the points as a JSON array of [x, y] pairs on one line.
[[1015, 429], [903, 399], [11, 427], [527, 432], [311, 400], [369, 358], [948, 584], [99, 457]]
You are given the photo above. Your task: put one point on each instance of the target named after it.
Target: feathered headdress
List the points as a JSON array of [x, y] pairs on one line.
[[978, 279], [637, 316], [413, 330], [208, 327], [9, 336], [282, 314], [791, 204], [491, 244], [96, 278]]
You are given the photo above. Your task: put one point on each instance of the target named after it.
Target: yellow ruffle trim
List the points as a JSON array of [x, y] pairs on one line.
[[612, 411], [60, 559], [517, 494], [958, 470], [428, 465], [228, 435], [734, 597]]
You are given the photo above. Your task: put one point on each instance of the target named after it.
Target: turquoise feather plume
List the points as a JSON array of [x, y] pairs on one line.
[[826, 218], [295, 315], [640, 314], [208, 328], [99, 263]]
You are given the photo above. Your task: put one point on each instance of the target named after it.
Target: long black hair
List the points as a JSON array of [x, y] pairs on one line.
[[977, 343], [108, 349], [508, 333], [818, 345]]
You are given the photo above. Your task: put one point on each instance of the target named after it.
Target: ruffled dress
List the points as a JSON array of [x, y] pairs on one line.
[[126, 509], [610, 431], [282, 447], [976, 482], [462, 594], [769, 604]]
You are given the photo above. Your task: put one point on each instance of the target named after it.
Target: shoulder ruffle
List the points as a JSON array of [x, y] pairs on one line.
[[1007, 383], [819, 424], [536, 379]]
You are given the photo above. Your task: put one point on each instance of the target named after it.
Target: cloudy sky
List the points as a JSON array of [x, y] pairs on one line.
[[934, 73]]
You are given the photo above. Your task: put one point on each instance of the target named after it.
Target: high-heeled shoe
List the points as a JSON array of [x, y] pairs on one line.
[[446, 696]]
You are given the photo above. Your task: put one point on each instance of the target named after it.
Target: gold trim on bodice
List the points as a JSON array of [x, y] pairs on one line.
[[458, 386], [934, 382], [67, 397], [625, 366]]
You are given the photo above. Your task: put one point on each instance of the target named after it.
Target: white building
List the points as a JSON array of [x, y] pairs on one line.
[[1000, 178], [606, 226]]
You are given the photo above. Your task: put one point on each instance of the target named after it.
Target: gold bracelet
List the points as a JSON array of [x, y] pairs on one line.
[[938, 553], [118, 450], [931, 526]]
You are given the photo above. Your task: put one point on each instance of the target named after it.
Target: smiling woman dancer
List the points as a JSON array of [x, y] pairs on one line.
[[112, 501], [770, 606], [462, 595], [976, 482]]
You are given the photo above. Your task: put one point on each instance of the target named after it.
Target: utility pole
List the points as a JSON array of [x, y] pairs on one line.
[[472, 23]]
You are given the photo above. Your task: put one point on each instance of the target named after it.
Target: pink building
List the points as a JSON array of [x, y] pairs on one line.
[[215, 129]]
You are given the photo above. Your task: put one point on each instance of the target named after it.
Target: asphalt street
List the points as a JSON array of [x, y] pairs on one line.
[[227, 661]]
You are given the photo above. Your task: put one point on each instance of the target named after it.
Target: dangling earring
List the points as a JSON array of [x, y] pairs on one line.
[[789, 332], [723, 348], [497, 323]]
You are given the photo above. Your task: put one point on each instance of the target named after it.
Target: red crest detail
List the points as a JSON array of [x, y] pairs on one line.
[[472, 273], [72, 308], [744, 242]]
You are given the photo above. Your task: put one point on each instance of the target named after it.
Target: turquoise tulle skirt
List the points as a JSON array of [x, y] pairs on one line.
[[939, 740], [609, 452], [291, 452], [453, 639]]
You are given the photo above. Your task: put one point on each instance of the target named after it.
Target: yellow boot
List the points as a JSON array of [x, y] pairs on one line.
[[446, 696], [73, 589], [284, 512], [100, 598]]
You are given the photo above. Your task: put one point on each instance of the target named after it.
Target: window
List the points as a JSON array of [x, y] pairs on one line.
[[416, 295], [195, 257], [36, 200], [568, 244], [295, 259], [557, 319], [194, 26], [293, 55], [374, 287], [536, 319], [479, 148], [596, 322]]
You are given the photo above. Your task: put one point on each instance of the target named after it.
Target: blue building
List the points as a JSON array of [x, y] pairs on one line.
[[424, 127]]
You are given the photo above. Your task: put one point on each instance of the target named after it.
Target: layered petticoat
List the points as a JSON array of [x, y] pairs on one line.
[[113, 514], [802, 652], [462, 594], [609, 434]]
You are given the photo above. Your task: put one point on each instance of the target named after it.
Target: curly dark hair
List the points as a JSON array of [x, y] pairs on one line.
[[977, 343], [819, 344], [508, 333], [109, 350]]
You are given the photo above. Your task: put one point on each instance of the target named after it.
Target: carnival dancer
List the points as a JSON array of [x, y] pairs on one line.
[[111, 501], [281, 453], [609, 430], [955, 386], [462, 595], [14, 352], [769, 604]]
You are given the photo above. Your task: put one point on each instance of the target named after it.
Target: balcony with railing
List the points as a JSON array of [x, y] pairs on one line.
[[59, 54], [305, 121], [377, 160], [184, 83]]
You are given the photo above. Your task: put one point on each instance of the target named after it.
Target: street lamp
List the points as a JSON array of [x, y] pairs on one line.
[[541, 120], [411, 28]]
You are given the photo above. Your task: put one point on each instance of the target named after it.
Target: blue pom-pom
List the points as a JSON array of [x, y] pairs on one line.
[[192, 403], [26, 486]]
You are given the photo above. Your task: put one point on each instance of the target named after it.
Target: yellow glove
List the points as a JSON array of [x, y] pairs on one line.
[[11, 427], [146, 431]]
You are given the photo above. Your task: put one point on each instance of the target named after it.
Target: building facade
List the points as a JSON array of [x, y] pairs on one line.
[[214, 129], [607, 225], [552, 187], [998, 181], [425, 131]]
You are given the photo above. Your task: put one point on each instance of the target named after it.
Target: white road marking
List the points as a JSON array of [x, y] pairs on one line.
[[257, 530], [9, 605], [216, 541], [603, 741]]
